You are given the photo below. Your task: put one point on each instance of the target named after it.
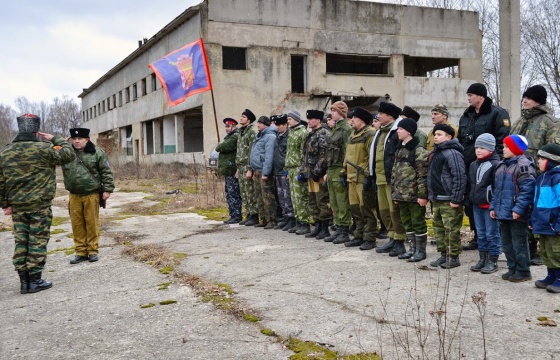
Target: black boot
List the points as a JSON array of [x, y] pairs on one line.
[[354, 242], [280, 225], [342, 235], [387, 247], [324, 233], [483, 258], [242, 222], [420, 254], [412, 249], [295, 228], [24, 281], [491, 265], [439, 261], [472, 245], [303, 229], [333, 236], [452, 262], [316, 230], [290, 224], [534, 253], [398, 249], [36, 284], [367, 245], [253, 220]]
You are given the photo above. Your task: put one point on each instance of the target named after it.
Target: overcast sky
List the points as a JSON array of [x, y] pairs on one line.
[[54, 48]]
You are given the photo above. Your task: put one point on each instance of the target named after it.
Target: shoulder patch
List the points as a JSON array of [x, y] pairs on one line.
[[506, 122], [57, 147]]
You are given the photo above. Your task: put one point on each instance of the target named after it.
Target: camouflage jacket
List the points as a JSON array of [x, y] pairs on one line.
[[294, 151], [315, 153], [336, 147], [27, 171], [247, 135], [357, 152], [81, 180], [422, 138], [539, 127], [409, 176], [228, 151]]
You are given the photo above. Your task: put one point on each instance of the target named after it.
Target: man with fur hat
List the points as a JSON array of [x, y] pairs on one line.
[[336, 148], [381, 161], [247, 135], [85, 178], [440, 115], [479, 118], [539, 128], [27, 187], [355, 173], [299, 192], [408, 112], [313, 170], [227, 168]]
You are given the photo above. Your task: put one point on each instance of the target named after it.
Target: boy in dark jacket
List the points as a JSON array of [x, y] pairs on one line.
[[545, 218], [514, 188], [481, 178], [446, 187]]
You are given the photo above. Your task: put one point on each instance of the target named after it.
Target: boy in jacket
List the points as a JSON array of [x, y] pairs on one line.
[[481, 178], [514, 189], [545, 218], [446, 188]]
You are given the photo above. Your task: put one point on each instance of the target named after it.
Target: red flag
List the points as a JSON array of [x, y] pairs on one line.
[[183, 72]]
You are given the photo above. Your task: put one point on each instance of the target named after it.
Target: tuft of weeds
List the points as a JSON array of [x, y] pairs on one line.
[[57, 231], [66, 250], [268, 332], [149, 305], [168, 302], [164, 286], [166, 270], [56, 221]]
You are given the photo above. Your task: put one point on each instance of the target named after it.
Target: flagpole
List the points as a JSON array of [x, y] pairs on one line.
[[211, 87], [215, 116]]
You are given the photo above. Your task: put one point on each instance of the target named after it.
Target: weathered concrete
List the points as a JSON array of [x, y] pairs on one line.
[[353, 300]]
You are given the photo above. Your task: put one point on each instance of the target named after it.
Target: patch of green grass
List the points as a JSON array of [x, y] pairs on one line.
[[166, 270], [57, 231], [145, 306], [268, 332], [251, 318], [164, 286], [179, 256], [305, 350], [66, 249], [167, 302], [218, 213], [59, 220]]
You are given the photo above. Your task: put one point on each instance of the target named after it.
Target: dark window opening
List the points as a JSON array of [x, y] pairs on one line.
[[355, 64], [153, 82], [127, 94], [234, 58], [114, 101], [128, 141], [298, 74], [431, 67], [134, 92], [120, 98], [108, 103], [144, 88], [193, 132]]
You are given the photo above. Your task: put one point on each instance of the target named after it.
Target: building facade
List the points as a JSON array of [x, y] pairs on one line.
[[273, 56]]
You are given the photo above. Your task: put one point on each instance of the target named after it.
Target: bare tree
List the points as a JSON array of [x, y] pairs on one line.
[[7, 125], [57, 117]]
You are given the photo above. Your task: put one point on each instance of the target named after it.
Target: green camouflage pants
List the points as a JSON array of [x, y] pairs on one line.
[[318, 200], [338, 198], [370, 219], [390, 213], [413, 217], [32, 232], [300, 196], [247, 191], [447, 223], [550, 250], [265, 194]]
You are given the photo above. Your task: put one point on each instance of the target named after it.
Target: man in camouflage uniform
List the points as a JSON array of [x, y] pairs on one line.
[[247, 134], [314, 168], [336, 148], [539, 128], [226, 168], [355, 173], [440, 115], [298, 190], [262, 155], [84, 178], [27, 187]]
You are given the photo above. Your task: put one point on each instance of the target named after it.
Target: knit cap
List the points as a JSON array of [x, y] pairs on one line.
[[341, 108], [486, 141], [28, 123], [294, 114], [477, 89], [409, 125], [537, 93], [517, 144]]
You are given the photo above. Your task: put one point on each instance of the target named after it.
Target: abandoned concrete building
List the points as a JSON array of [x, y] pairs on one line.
[[273, 56]]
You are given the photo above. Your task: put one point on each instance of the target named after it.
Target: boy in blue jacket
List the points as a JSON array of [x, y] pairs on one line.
[[481, 178], [514, 189], [545, 219]]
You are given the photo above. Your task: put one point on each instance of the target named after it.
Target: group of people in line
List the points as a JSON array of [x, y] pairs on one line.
[[28, 186], [364, 172]]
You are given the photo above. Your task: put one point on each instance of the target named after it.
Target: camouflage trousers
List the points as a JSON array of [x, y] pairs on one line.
[[84, 215], [338, 198], [233, 196], [265, 196], [247, 191], [368, 210], [284, 198], [413, 217], [318, 200], [356, 200], [390, 213], [550, 250], [299, 193], [32, 231], [447, 223]]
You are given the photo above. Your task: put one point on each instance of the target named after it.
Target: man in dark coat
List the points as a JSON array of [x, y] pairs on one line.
[[227, 168]]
